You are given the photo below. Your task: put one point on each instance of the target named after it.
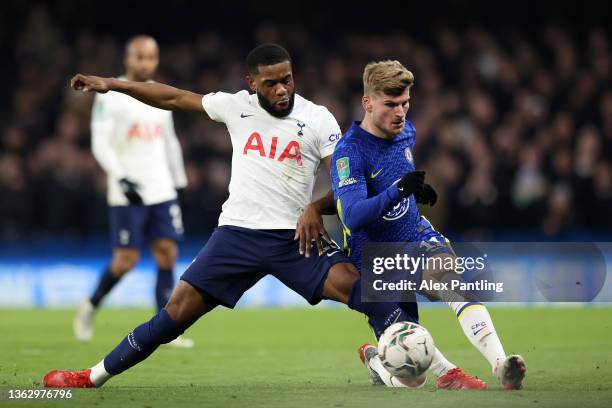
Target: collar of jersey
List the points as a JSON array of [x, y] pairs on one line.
[[358, 130]]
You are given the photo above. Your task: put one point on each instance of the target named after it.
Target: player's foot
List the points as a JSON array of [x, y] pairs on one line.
[[511, 372], [366, 352], [83, 321], [68, 379], [181, 342], [456, 379]]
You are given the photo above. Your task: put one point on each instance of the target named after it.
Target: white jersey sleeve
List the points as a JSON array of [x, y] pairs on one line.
[[103, 126], [329, 133], [217, 105], [175, 155]]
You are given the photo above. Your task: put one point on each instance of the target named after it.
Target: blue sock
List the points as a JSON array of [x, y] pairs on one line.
[[105, 284], [163, 287], [141, 342], [382, 314]]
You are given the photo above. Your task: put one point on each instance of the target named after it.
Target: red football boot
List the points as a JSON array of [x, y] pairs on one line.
[[456, 379], [68, 379]]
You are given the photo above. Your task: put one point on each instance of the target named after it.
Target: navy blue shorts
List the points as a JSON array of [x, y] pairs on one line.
[[134, 225], [235, 258]]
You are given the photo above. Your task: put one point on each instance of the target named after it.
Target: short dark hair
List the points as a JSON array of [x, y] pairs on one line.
[[265, 54]]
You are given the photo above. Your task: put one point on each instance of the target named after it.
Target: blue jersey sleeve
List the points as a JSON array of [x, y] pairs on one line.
[[348, 176]]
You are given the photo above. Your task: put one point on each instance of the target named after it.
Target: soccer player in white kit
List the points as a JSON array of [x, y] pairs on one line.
[[279, 140], [137, 147]]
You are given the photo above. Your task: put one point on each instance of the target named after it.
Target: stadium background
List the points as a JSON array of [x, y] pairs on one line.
[[512, 105]]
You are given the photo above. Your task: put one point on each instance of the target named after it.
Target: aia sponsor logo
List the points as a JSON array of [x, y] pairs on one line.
[[144, 131], [290, 152]]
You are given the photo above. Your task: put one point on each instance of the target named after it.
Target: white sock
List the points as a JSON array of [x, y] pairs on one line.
[[98, 374], [478, 327], [440, 365], [376, 365], [386, 377]]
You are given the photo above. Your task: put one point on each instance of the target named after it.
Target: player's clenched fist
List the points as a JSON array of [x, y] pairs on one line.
[[87, 83], [427, 195]]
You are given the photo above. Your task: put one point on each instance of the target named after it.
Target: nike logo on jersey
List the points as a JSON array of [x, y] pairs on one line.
[[244, 115], [373, 175]]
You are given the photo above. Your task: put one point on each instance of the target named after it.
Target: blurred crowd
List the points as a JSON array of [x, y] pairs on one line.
[[513, 129]]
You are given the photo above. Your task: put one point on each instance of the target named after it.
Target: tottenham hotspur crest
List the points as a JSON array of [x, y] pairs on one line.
[[300, 132], [408, 155]]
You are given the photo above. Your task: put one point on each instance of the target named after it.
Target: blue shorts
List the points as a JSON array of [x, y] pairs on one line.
[[235, 258], [132, 226]]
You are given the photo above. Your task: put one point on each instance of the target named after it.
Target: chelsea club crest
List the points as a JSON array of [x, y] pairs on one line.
[[408, 155]]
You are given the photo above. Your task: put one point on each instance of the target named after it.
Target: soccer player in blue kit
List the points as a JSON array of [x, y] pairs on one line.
[[376, 188]]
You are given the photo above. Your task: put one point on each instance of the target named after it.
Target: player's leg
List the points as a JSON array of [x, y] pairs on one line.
[[165, 252], [164, 227], [331, 276], [378, 373], [127, 233], [223, 270], [473, 317], [343, 283], [380, 316], [186, 305]]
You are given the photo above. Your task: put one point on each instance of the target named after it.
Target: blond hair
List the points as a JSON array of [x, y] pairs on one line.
[[389, 77]]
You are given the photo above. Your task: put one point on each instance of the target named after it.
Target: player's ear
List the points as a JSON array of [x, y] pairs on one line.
[[366, 102], [251, 82]]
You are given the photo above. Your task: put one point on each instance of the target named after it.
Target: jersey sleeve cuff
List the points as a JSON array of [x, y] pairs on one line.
[[393, 192]]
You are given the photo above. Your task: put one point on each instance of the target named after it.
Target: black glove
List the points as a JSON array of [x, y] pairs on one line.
[[427, 195], [181, 196], [411, 183], [130, 192]]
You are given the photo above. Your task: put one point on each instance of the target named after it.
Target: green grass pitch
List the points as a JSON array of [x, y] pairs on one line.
[[308, 358]]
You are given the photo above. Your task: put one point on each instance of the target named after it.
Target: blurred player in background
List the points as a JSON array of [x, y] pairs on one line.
[[377, 188], [137, 147]]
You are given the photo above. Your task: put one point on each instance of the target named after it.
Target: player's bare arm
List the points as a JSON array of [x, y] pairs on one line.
[[310, 224], [154, 94]]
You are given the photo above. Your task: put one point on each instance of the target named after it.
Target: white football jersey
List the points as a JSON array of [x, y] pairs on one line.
[[274, 160], [137, 141]]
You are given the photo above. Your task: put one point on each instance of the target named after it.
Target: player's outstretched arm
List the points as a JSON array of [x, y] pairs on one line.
[[154, 94]]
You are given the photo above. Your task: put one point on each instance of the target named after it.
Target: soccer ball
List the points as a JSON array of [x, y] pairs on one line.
[[406, 349]]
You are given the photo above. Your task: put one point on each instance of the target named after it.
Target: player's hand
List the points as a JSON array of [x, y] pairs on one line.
[[130, 190], [411, 183], [310, 227], [87, 83], [427, 195]]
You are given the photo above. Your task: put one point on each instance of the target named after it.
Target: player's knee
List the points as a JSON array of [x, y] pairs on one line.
[[124, 261], [165, 253], [186, 305], [339, 282]]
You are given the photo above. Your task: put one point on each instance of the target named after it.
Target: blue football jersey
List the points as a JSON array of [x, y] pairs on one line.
[[365, 165]]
